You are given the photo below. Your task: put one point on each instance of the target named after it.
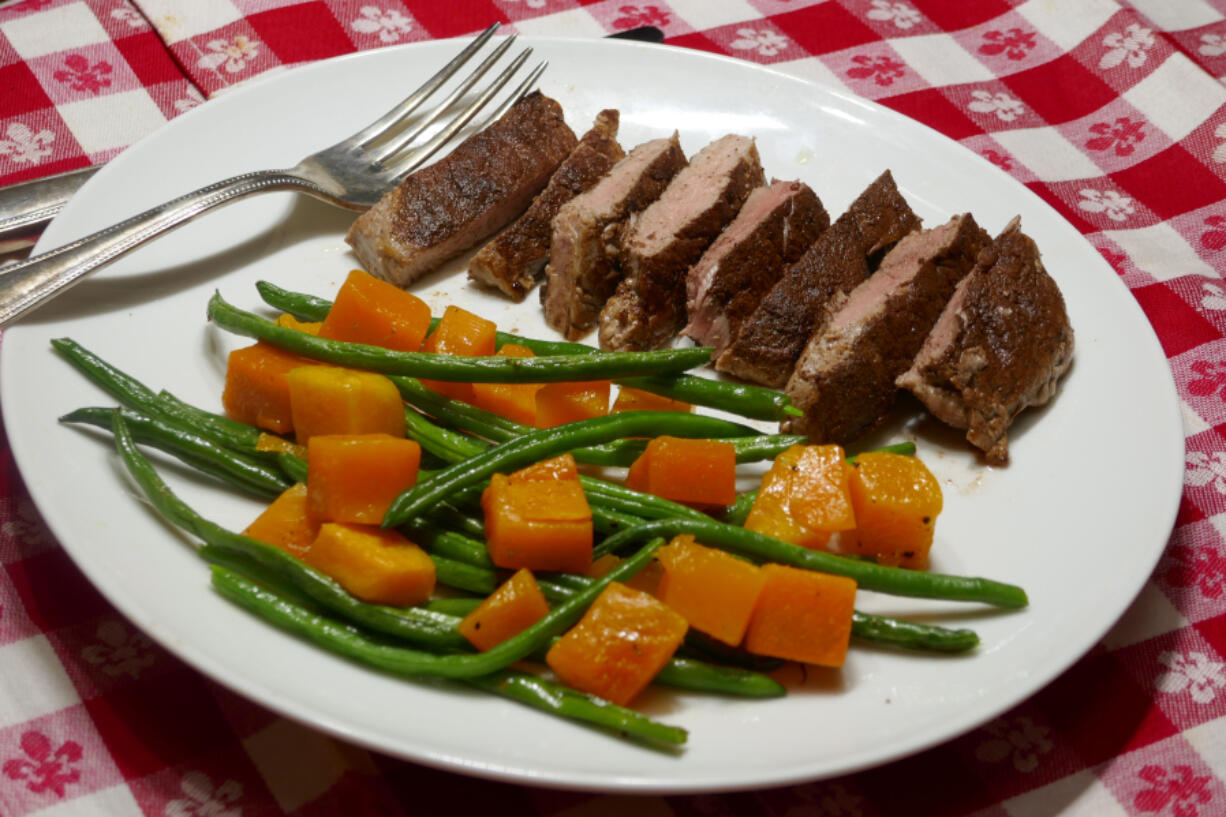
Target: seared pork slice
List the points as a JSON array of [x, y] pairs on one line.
[[666, 239], [515, 258], [1002, 344], [797, 305], [774, 228], [583, 268], [844, 379], [465, 197]]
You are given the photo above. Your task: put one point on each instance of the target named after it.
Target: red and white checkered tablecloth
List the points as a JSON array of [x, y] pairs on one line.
[[1113, 111]]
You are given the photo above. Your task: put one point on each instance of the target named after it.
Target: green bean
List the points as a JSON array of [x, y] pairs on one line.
[[449, 666], [243, 472], [457, 368], [351, 643], [745, 400], [293, 466], [449, 446], [894, 632], [463, 576], [536, 446], [240, 435], [869, 576], [458, 606]]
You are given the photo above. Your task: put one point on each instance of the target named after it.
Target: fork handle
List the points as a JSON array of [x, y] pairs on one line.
[[26, 285]]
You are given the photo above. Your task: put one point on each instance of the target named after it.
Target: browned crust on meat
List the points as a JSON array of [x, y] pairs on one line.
[[648, 309], [1010, 344], [584, 267], [797, 305], [722, 293], [515, 259], [465, 197], [844, 379]]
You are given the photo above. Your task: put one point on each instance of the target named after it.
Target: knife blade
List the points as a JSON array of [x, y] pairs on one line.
[[26, 207]]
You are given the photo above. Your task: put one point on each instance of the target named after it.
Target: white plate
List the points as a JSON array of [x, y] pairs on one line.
[[1078, 519]]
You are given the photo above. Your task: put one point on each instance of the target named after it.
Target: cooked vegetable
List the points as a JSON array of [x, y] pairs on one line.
[[691, 471], [375, 565], [802, 615], [619, 645], [453, 368], [369, 310], [464, 334], [805, 497], [334, 400], [287, 523], [713, 590], [632, 399], [513, 401], [886, 631], [257, 391], [350, 642], [515, 606], [896, 501], [290, 322], [539, 518], [560, 403], [354, 477]]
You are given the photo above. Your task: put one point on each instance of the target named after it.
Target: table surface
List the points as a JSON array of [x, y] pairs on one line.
[[1113, 112]]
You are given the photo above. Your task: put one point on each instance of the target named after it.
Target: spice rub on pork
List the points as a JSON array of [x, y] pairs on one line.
[[465, 197], [516, 257], [773, 229], [844, 379], [583, 269], [1002, 344], [775, 334], [665, 240]]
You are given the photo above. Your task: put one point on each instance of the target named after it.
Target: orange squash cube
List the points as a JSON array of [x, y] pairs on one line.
[[460, 332], [805, 498], [375, 565], [290, 322], [515, 401], [897, 500], [619, 645], [335, 400], [538, 524], [560, 403], [514, 607], [562, 466], [714, 591], [632, 399], [256, 390], [273, 444], [355, 477], [371, 311], [802, 615], [287, 523], [696, 472]]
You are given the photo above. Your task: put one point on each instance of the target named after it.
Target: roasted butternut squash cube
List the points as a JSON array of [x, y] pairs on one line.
[[538, 524], [257, 391], [516, 605], [714, 591], [632, 399], [460, 332], [897, 500], [802, 615], [290, 322], [562, 466], [805, 498], [619, 645], [287, 523], [515, 401], [371, 311], [696, 472], [335, 400], [569, 402], [354, 478], [375, 565]]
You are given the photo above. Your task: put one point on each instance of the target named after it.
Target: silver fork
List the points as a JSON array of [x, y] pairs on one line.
[[354, 173]]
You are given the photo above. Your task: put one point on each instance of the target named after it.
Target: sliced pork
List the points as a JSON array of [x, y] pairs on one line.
[[844, 379], [583, 269], [1002, 344], [465, 197], [666, 239], [514, 260], [797, 305], [774, 228]]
